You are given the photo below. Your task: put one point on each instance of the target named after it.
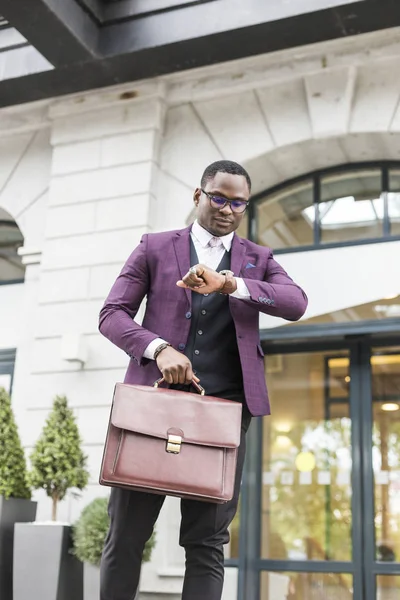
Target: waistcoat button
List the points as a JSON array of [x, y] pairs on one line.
[[181, 346], [188, 315]]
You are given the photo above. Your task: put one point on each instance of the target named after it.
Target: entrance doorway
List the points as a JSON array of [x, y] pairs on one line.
[[324, 475]]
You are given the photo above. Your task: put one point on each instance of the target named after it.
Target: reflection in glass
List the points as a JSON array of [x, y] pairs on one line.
[[5, 382], [11, 267], [394, 202], [385, 365], [231, 550], [242, 230], [306, 494], [384, 308], [284, 221], [306, 586], [351, 206], [388, 587]]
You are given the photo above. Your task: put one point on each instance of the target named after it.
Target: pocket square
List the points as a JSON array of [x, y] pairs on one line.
[[250, 266]]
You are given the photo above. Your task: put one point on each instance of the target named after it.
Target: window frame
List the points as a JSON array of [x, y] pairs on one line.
[[7, 363], [316, 176], [18, 279]]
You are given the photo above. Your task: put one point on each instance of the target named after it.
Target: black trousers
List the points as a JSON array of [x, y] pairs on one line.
[[203, 533]]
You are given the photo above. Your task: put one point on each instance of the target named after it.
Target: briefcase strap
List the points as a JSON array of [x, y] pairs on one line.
[[196, 386]]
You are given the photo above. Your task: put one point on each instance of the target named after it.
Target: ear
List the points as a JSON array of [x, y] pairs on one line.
[[196, 196]]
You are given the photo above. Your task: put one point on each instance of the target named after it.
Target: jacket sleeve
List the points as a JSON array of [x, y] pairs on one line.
[[277, 294], [122, 304]]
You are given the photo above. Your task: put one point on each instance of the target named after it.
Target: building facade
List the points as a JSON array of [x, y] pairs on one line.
[[84, 175]]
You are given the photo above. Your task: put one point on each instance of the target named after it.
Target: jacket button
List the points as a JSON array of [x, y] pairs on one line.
[[181, 346], [203, 312], [200, 332], [197, 352], [188, 315], [205, 295]]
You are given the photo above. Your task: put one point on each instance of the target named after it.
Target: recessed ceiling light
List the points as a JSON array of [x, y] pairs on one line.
[[390, 407]]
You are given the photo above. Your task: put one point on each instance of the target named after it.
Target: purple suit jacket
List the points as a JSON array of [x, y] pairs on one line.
[[152, 270]]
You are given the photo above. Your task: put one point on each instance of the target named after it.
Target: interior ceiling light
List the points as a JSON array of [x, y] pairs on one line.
[[283, 427], [380, 359], [390, 407], [305, 462]]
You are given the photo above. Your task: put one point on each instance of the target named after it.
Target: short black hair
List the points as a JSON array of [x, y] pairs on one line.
[[224, 166]]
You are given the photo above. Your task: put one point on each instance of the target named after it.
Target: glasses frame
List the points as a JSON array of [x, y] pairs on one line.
[[236, 212]]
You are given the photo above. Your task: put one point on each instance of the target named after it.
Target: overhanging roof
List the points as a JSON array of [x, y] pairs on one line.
[[97, 43]]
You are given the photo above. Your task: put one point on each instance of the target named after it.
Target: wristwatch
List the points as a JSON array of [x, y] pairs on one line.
[[159, 349], [229, 285]]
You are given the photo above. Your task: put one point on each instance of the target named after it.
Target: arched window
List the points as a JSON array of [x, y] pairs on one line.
[[350, 204], [11, 268]]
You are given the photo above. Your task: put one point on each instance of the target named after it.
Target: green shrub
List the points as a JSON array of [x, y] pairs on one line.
[[13, 473], [90, 530], [58, 463]]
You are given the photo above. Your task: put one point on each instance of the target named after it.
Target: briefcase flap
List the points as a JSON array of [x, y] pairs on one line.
[[159, 412]]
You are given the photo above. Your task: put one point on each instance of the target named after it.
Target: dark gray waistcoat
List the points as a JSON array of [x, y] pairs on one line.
[[212, 346]]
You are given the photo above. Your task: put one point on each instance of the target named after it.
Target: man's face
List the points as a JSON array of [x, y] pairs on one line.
[[221, 221]]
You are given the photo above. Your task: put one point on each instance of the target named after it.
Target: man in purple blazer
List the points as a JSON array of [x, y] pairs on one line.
[[205, 288]]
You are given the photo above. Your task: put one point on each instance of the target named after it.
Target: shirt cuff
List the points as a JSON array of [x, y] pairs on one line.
[[151, 348], [242, 291]]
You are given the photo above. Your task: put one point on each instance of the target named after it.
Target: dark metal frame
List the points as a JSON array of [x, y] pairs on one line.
[[363, 567], [315, 177], [94, 45], [7, 361]]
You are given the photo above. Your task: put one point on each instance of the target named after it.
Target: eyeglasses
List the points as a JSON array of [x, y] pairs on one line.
[[236, 206]]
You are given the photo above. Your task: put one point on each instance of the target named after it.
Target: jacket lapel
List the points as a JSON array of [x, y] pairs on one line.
[[237, 255], [182, 250]]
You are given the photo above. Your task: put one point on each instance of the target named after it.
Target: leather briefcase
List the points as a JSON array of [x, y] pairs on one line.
[[172, 442]]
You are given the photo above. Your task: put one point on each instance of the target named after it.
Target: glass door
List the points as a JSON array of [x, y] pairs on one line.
[[306, 519], [324, 472], [382, 559]]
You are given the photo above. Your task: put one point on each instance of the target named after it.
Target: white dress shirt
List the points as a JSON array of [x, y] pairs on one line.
[[211, 257]]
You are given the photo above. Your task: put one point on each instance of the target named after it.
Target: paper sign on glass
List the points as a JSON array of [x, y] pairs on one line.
[[382, 478], [343, 478], [287, 478], [324, 478], [268, 478], [305, 478]]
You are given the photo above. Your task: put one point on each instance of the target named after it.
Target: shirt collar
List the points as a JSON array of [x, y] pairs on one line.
[[203, 236]]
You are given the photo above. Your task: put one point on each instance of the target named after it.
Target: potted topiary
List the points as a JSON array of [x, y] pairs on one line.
[[58, 465], [89, 534], [15, 493]]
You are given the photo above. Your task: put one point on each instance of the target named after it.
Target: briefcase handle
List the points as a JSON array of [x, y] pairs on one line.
[[196, 386]]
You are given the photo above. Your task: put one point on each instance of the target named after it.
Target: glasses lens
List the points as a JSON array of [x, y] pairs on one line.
[[238, 207], [218, 202]]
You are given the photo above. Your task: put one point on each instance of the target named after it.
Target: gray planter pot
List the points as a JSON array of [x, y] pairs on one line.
[[91, 583], [44, 568], [12, 511]]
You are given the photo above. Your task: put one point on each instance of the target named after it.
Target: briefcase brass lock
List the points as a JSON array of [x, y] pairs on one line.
[[174, 444]]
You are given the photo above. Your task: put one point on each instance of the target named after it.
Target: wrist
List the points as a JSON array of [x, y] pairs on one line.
[[229, 284], [160, 349]]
